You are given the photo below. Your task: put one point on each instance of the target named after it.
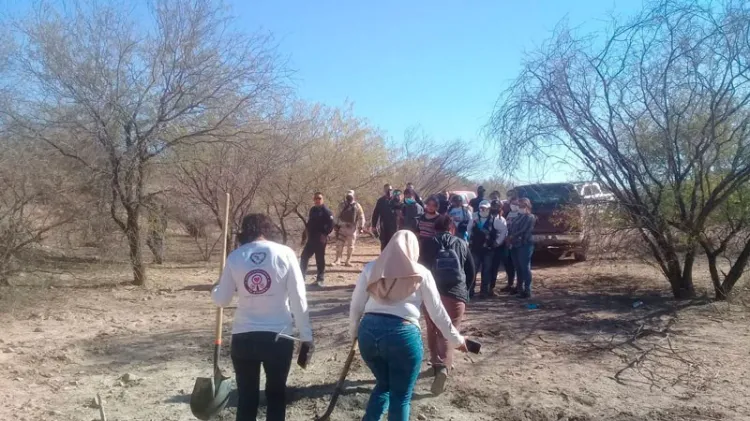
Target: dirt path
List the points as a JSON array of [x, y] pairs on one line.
[[142, 349]]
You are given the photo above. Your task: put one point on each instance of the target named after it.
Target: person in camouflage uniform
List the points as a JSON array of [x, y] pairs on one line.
[[350, 221]]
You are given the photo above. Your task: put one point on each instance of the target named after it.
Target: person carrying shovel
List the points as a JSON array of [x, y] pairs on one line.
[[384, 316], [267, 278]]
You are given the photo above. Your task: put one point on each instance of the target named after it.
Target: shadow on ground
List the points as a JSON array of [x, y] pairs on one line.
[[297, 393], [591, 307]]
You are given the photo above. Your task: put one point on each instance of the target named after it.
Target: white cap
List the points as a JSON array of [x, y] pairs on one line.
[[350, 193], [484, 204]]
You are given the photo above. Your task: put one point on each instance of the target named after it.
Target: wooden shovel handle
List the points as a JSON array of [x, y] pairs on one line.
[[225, 236]]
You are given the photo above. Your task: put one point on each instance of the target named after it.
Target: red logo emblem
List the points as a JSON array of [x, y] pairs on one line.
[[257, 282]]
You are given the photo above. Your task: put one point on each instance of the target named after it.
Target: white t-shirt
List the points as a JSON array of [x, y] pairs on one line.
[[407, 309], [270, 286]]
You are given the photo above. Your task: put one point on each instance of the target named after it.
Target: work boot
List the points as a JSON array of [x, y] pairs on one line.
[[438, 383]]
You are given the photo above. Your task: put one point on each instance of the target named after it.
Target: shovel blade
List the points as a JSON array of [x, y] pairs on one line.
[[209, 397]]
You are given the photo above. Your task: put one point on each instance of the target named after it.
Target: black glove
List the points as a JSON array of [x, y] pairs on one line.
[[306, 351]]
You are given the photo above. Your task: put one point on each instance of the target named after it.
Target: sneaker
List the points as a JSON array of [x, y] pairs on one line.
[[524, 295], [334, 263], [490, 293], [320, 283], [507, 289], [348, 264], [438, 384]]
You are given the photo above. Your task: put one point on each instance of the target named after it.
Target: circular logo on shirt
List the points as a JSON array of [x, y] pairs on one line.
[[257, 282]]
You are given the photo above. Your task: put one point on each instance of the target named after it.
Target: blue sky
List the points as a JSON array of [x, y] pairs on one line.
[[438, 64]]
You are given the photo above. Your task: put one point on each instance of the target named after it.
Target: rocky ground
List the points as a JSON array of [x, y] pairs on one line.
[[605, 342]]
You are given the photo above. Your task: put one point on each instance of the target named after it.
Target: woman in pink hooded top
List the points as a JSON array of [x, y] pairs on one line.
[[384, 316]]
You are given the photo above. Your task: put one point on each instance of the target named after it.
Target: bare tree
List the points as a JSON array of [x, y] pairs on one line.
[[113, 93], [436, 166], [30, 206], [659, 111], [240, 167], [335, 151]]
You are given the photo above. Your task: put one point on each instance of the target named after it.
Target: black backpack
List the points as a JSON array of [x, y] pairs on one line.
[[484, 237], [447, 269]]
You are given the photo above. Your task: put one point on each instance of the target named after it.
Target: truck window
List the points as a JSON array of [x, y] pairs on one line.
[[549, 193]]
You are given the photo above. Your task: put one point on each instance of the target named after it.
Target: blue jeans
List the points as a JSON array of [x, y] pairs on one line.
[[522, 264], [392, 349], [510, 269], [484, 264]]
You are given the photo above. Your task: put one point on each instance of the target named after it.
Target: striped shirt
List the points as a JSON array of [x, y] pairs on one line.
[[521, 228], [426, 226]]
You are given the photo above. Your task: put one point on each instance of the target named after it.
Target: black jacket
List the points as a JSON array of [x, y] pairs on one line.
[[385, 215], [444, 205], [319, 222], [461, 247], [411, 214], [474, 203], [418, 199]]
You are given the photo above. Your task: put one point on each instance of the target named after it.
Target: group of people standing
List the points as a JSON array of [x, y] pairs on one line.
[[495, 239], [499, 234], [431, 252]]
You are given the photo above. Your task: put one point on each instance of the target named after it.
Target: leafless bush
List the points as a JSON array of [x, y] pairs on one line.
[[30, 206], [435, 166], [114, 93]]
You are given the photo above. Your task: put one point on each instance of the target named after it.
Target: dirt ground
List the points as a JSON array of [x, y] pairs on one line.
[[588, 351]]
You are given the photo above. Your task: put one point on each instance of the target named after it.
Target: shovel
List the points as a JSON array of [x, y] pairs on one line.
[[340, 385], [211, 394]]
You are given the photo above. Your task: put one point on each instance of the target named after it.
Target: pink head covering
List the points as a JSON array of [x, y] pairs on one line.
[[396, 273]]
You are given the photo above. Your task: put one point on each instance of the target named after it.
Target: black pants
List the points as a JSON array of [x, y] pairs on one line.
[[318, 249], [499, 256], [385, 237], [250, 351]]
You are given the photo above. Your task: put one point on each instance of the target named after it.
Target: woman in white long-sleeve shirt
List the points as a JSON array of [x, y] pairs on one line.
[[389, 293], [267, 278]]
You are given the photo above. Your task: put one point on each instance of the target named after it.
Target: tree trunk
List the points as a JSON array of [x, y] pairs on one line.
[[155, 243], [736, 271], [284, 232], [681, 276], [682, 288], [133, 233], [714, 271]]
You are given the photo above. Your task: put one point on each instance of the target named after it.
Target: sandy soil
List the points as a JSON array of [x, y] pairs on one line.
[[75, 329]]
